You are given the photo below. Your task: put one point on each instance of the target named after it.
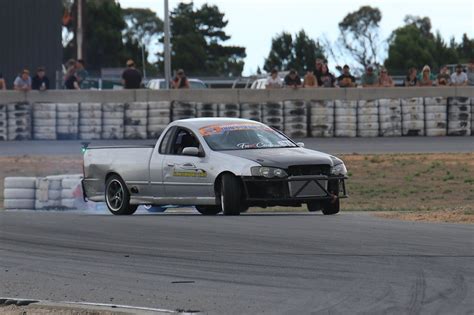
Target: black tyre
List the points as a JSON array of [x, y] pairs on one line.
[[315, 205], [208, 210], [117, 197], [231, 195], [330, 207]]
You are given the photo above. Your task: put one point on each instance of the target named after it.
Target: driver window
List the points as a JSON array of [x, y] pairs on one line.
[[183, 139]]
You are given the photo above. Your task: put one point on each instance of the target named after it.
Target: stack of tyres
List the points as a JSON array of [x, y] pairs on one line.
[[183, 110], [90, 121], [44, 121], [159, 116], [71, 191], [229, 110], [251, 111], [345, 117], [48, 193], [390, 117], [413, 116], [207, 110], [436, 116], [136, 121], [367, 118], [3, 122], [295, 119], [113, 116], [272, 115], [321, 118], [67, 120], [19, 121], [459, 116], [472, 116], [19, 193]]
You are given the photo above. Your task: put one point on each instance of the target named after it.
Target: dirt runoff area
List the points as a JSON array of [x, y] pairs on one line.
[[428, 187]]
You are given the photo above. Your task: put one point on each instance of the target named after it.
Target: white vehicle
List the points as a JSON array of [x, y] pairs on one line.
[[259, 84], [159, 84]]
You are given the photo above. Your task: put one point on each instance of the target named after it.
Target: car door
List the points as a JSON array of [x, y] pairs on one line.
[[186, 177]]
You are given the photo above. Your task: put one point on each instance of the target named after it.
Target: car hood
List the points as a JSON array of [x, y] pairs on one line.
[[283, 157]]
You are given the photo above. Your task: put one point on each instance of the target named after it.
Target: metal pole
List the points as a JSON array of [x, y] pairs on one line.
[[167, 50], [79, 32], [143, 61]]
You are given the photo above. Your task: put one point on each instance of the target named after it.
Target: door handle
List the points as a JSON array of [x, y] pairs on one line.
[[189, 165], [170, 164]]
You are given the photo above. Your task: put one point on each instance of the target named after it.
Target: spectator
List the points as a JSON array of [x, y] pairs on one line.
[[3, 85], [412, 77], [310, 80], [318, 70], [40, 81], [131, 77], [346, 79], [459, 77], [327, 79], [384, 79], [81, 72], [71, 80], [70, 64], [369, 78], [274, 81], [180, 81], [292, 79], [426, 78], [443, 77], [23, 81]]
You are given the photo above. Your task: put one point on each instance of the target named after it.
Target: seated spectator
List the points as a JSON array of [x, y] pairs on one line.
[[81, 72], [459, 78], [327, 79], [443, 77], [369, 78], [3, 85], [23, 81], [346, 79], [180, 81], [412, 77], [384, 79], [426, 78], [274, 81], [292, 79], [131, 77], [72, 83], [40, 81], [310, 80], [318, 69]]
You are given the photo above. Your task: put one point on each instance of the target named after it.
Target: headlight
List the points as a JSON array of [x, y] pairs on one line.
[[268, 172], [339, 169]]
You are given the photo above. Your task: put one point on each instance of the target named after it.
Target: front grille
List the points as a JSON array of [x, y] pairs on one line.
[[301, 170]]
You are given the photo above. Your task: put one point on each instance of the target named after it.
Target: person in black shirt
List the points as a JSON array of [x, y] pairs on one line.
[[131, 77], [180, 81], [71, 83], [318, 70], [346, 79], [292, 79], [40, 81]]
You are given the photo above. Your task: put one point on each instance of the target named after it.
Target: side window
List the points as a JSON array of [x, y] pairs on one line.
[[183, 139], [166, 140]]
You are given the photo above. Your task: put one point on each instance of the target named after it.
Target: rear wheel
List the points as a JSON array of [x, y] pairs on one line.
[[331, 206], [117, 197], [231, 195], [208, 210]]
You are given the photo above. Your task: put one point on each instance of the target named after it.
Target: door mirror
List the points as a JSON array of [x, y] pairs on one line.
[[300, 144], [192, 151]]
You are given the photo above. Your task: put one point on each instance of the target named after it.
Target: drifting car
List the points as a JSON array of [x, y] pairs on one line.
[[215, 164]]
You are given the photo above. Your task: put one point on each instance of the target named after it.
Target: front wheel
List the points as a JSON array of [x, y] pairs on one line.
[[231, 195], [330, 206], [117, 197]]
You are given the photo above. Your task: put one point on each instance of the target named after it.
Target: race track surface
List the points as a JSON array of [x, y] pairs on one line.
[[330, 145], [297, 263]]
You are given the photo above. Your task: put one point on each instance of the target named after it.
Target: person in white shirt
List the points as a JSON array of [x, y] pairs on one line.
[[274, 81], [459, 77]]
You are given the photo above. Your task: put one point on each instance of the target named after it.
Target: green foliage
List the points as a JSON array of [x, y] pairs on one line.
[[287, 53]]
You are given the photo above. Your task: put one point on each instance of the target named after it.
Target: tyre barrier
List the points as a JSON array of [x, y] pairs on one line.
[[90, 121], [136, 120], [19, 121], [413, 117], [183, 110], [207, 110], [113, 116], [3, 122], [390, 118], [367, 118], [19, 193], [472, 116], [459, 116], [295, 115], [252, 111], [67, 121], [321, 122], [345, 118], [436, 116], [229, 110], [159, 116], [44, 121], [272, 115]]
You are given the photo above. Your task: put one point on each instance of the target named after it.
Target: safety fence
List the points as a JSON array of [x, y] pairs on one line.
[[417, 116]]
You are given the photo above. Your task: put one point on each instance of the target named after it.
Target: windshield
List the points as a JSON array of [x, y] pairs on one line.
[[243, 136]]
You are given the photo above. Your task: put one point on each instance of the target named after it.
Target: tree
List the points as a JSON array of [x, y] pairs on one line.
[[466, 49], [287, 53], [359, 35]]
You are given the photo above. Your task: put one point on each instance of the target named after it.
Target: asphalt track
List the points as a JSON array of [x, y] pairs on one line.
[[298, 263], [330, 145]]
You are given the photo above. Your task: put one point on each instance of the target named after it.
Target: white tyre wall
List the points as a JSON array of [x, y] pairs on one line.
[[181, 110], [206, 110], [19, 204], [390, 117], [113, 107], [19, 193], [135, 132], [67, 107], [67, 116], [114, 115], [159, 105], [435, 101], [459, 116], [20, 182], [321, 122], [19, 121], [90, 107], [229, 110]]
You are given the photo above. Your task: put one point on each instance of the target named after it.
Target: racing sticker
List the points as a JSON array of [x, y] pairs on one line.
[[220, 129], [189, 173]]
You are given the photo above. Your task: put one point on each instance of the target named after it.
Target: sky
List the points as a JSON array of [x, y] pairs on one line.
[[253, 23]]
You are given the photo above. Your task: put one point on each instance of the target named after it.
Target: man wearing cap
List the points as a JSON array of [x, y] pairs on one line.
[[40, 81], [346, 79], [369, 78], [23, 81], [459, 77], [131, 77]]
